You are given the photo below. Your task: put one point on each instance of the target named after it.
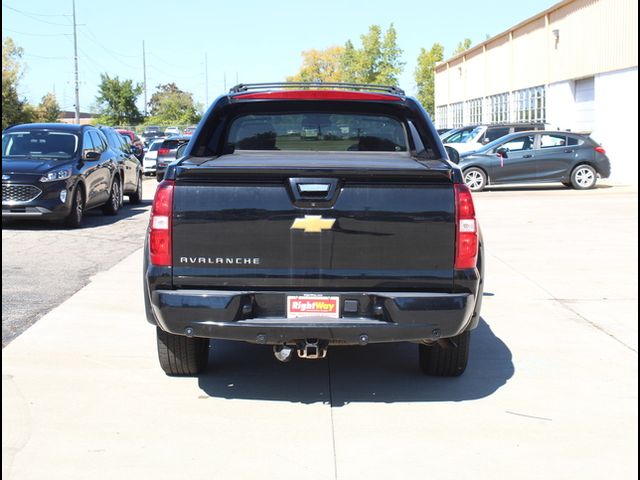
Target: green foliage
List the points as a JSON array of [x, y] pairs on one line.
[[116, 101], [463, 46], [48, 110], [424, 75], [348, 63], [391, 65], [170, 106], [377, 61], [13, 108]]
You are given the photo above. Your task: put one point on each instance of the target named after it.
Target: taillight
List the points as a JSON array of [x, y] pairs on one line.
[[466, 229], [163, 151], [600, 150], [160, 224]]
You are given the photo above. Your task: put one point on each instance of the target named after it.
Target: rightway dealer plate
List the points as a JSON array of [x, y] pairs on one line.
[[312, 306]]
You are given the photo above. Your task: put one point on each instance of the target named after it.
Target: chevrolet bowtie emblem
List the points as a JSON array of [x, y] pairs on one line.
[[313, 223]]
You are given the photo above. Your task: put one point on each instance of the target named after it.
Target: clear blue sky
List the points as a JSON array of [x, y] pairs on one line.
[[253, 41]]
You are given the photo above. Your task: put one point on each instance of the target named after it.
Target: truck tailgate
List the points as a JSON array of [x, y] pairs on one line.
[[269, 221]]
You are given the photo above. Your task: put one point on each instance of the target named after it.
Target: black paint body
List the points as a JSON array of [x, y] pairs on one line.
[[391, 248]]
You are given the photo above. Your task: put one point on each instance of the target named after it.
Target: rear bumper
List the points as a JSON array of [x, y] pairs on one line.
[[259, 317]]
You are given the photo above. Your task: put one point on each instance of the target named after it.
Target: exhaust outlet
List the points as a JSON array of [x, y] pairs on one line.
[[282, 353]]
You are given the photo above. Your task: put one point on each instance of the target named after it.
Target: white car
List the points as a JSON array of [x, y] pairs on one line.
[[470, 138], [149, 160], [172, 131]]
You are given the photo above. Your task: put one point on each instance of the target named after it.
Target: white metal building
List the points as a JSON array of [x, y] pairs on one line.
[[573, 66]]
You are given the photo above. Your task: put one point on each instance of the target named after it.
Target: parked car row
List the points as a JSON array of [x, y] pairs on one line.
[[572, 159], [526, 153], [58, 171]]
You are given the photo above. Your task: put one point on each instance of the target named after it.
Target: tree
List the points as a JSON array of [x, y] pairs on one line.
[[424, 75], [48, 110], [348, 62], [13, 108], [170, 105], [391, 65], [320, 66], [116, 101], [368, 57], [377, 61], [462, 46]]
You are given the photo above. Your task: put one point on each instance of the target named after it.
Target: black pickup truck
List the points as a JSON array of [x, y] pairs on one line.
[[305, 216]]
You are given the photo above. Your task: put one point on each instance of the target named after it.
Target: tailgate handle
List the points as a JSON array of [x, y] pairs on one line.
[[311, 192], [314, 188]]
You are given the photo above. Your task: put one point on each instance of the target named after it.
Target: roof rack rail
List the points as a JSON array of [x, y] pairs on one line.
[[245, 87]]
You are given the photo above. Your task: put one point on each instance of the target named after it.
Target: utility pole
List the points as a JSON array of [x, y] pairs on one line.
[[206, 82], [144, 77], [75, 59], [225, 82]]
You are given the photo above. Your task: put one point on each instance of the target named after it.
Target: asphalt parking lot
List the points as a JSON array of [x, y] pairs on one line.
[[44, 263], [550, 392]]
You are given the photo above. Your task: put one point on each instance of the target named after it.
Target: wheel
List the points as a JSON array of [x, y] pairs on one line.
[[74, 218], [136, 197], [159, 176], [475, 179], [583, 177], [448, 361], [115, 199], [181, 355]]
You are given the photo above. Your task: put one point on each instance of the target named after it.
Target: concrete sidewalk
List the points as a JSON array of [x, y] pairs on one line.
[[549, 393]]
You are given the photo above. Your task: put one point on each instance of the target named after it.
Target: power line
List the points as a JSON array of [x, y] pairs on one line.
[[36, 34], [34, 14], [45, 57], [32, 17], [112, 52]]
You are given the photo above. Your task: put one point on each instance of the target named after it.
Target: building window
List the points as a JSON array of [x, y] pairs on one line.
[[456, 114], [474, 109], [499, 105], [530, 106], [441, 117]]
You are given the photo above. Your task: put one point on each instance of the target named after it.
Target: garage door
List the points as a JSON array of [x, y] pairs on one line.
[[585, 105]]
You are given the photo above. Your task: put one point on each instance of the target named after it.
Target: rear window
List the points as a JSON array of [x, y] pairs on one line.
[[317, 132], [170, 144], [39, 143]]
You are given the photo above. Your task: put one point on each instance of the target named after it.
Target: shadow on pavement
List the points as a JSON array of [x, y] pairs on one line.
[[376, 373], [92, 218]]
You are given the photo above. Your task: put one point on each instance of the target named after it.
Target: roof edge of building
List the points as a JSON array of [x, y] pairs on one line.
[[549, 10]]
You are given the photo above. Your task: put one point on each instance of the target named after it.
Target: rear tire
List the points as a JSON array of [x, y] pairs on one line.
[[449, 361], [115, 199], [584, 177], [159, 177], [181, 356], [136, 197], [475, 179]]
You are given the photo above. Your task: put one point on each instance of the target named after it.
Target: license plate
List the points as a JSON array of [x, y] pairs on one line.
[[312, 306]]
